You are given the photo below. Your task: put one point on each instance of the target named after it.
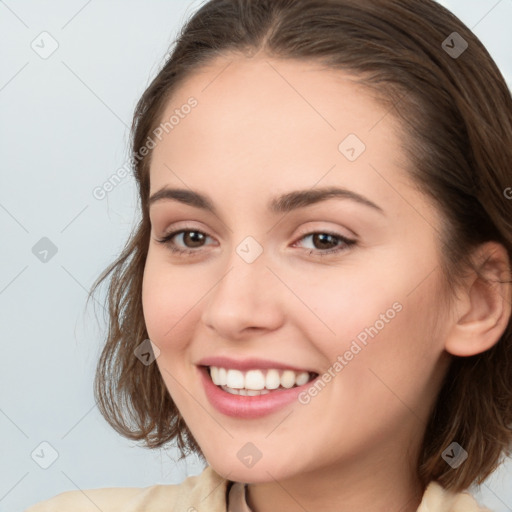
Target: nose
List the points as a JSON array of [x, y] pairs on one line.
[[246, 297]]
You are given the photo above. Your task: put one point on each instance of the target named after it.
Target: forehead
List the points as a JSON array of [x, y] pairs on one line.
[[240, 96], [264, 124]]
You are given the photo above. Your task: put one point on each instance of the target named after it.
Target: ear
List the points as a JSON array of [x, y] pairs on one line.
[[483, 306]]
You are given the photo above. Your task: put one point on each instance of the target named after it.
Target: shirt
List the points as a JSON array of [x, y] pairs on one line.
[[210, 492]]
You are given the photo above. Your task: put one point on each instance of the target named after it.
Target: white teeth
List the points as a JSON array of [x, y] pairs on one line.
[[232, 391], [272, 380], [223, 378], [255, 382], [254, 392], [247, 392], [288, 379], [302, 378], [235, 379]]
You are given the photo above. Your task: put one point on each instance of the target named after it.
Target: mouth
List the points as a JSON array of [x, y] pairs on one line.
[[255, 382]]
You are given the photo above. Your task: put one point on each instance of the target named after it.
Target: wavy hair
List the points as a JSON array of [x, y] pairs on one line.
[[457, 111]]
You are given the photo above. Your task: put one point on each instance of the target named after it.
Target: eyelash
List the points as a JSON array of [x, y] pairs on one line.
[[167, 241]]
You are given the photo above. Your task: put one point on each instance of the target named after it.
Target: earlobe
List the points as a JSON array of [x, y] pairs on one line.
[[484, 306]]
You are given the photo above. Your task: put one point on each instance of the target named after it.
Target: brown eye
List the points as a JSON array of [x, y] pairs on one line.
[[328, 243], [325, 240], [193, 239], [190, 239]]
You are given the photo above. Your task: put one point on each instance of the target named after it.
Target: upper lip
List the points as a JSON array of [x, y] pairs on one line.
[[248, 364]]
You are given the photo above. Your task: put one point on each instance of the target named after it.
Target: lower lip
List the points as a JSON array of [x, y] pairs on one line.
[[241, 406]]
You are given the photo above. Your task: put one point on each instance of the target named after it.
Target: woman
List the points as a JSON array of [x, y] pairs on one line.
[[371, 373]]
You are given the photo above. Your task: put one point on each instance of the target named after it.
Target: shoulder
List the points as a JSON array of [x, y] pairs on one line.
[[438, 499], [206, 490]]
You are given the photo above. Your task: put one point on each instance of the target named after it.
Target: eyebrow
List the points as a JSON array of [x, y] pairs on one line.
[[282, 204]]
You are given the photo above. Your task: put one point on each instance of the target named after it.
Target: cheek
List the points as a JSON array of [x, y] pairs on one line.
[[377, 318], [336, 308], [398, 363], [167, 302], [168, 297]]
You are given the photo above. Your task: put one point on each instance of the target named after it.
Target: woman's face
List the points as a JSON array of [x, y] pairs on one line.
[[269, 277]]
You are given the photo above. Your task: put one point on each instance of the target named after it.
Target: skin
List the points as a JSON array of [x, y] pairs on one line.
[[264, 127]]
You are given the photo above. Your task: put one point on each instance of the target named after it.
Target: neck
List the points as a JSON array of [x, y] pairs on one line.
[[385, 484]]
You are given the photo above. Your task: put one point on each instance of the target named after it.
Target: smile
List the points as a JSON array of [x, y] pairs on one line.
[[231, 391], [257, 382]]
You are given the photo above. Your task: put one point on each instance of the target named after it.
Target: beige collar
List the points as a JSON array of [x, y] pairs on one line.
[[435, 499]]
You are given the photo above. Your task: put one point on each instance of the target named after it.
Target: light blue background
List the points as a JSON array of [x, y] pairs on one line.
[[63, 132]]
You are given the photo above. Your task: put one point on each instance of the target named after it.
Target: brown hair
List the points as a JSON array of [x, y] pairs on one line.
[[457, 111]]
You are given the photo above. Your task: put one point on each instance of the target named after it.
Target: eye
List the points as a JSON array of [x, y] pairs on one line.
[[193, 239], [330, 243]]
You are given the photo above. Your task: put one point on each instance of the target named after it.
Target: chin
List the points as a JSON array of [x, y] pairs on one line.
[[260, 472]]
